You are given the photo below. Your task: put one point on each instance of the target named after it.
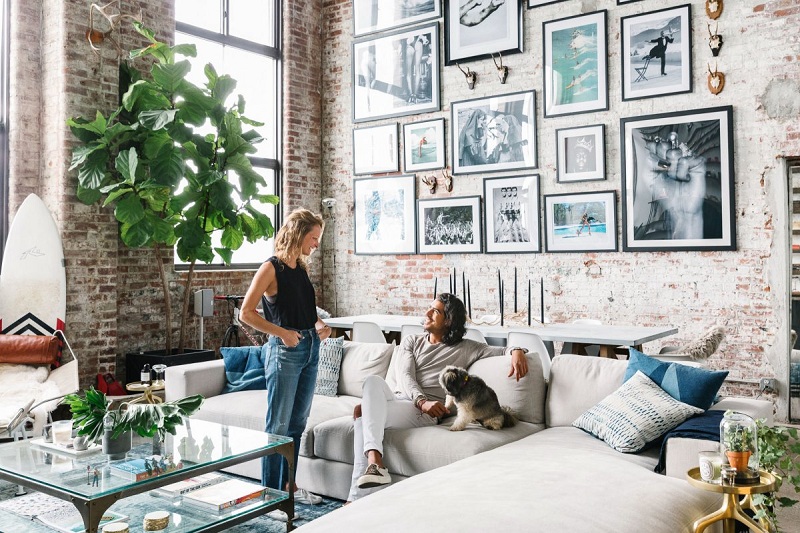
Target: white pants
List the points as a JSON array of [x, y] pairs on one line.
[[380, 409]]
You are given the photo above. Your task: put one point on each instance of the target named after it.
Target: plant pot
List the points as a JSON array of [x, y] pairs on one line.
[[116, 448], [739, 460]]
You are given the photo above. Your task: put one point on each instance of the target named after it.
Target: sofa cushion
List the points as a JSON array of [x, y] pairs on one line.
[[359, 360], [524, 397], [244, 368], [687, 384], [637, 413], [330, 362], [577, 382]]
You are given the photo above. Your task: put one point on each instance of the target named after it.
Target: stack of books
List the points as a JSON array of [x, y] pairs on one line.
[[223, 495], [182, 487], [139, 469]]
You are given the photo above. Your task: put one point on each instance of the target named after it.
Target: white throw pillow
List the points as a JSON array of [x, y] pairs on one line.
[[359, 360], [635, 414], [330, 361]]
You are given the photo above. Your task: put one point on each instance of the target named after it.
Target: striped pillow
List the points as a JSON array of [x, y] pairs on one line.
[[330, 362], [635, 414]]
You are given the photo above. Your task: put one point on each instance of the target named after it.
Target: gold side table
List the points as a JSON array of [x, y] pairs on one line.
[[732, 507]]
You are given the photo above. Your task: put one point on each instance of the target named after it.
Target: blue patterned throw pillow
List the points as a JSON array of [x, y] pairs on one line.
[[330, 362], [635, 414], [688, 384]]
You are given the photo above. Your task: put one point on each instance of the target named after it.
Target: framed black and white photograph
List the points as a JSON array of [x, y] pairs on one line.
[[657, 53], [370, 16], [511, 212], [581, 222], [494, 134], [581, 153], [423, 145], [384, 220], [476, 29], [538, 3], [449, 225], [678, 181], [575, 64], [375, 149], [396, 74]]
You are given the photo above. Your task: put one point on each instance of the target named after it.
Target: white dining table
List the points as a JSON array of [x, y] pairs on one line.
[[607, 336]]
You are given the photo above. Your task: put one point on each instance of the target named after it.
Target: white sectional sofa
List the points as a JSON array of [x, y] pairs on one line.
[[542, 475]]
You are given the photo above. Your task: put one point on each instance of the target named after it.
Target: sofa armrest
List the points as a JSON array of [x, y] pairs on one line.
[[681, 453], [206, 378]]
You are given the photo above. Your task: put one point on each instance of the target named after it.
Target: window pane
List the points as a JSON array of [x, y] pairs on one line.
[[253, 20], [206, 14]]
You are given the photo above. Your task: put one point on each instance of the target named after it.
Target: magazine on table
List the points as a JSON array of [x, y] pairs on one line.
[[139, 469], [221, 496], [188, 485], [69, 520]]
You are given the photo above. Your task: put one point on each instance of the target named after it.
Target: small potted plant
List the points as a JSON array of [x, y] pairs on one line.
[[95, 418], [738, 435]]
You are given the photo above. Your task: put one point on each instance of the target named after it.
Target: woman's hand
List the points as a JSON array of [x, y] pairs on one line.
[[324, 332], [291, 338]]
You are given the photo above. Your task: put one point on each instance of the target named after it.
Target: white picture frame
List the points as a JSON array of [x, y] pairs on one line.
[[424, 145], [375, 149]]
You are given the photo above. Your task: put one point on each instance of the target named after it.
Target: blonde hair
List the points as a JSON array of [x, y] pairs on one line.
[[289, 240]]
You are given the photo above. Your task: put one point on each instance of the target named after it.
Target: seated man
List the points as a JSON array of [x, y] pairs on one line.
[[418, 398]]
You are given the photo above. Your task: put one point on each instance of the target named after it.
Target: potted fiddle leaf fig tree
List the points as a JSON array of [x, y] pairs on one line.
[[172, 160]]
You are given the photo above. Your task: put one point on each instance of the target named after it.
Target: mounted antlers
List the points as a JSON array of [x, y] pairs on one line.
[[430, 182], [471, 76], [448, 180], [716, 80], [714, 8], [714, 40], [502, 72], [95, 36]]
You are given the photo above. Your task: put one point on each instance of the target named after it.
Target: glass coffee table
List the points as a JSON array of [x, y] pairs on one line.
[[198, 446]]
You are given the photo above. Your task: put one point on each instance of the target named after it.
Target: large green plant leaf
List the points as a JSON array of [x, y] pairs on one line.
[[136, 235], [126, 165], [169, 77], [232, 238], [93, 171], [129, 210], [157, 119]]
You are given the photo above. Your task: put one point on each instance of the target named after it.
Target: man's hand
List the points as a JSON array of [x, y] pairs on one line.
[[519, 364], [434, 409]]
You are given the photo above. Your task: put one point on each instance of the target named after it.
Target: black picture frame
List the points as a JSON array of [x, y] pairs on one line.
[[370, 16], [539, 3], [678, 185], [581, 153], [570, 219], [449, 225], [512, 210], [488, 28], [384, 218]]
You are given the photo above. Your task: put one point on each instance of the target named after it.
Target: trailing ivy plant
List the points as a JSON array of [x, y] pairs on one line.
[[779, 453], [172, 160]]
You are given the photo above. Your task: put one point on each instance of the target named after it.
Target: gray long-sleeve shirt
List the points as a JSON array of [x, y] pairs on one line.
[[421, 363]]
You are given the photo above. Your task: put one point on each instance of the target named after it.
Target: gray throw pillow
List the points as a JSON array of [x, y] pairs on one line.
[[705, 345], [330, 362]]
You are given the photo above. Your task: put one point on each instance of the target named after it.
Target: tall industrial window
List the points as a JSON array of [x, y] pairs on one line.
[[242, 38], [4, 31]]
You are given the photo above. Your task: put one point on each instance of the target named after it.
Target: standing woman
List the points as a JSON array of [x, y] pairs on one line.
[[295, 331]]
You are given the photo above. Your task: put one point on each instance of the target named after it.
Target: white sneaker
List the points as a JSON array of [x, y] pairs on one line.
[[281, 516], [307, 498], [374, 476]]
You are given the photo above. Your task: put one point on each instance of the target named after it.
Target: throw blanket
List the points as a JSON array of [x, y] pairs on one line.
[[703, 426], [19, 384], [244, 368]]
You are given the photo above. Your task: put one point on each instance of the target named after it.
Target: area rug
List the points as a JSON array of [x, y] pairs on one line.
[[261, 524]]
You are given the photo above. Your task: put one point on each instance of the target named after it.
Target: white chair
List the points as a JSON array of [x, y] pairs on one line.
[[475, 335], [410, 329], [368, 332], [534, 344], [592, 350]]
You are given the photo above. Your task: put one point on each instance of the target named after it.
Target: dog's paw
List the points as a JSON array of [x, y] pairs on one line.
[[456, 428]]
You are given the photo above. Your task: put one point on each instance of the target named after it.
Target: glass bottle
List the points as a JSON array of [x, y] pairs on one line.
[[145, 375]]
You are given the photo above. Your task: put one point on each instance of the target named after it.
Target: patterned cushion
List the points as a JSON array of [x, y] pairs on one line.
[[706, 345], [330, 361], [688, 384], [635, 414]]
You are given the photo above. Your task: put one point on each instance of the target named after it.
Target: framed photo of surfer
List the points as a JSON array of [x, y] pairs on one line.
[[370, 16], [477, 29], [423, 145], [575, 64], [375, 149], [581, 222], [678, 181], [511, 207], [581, 153], [396, 74], [656, 53], [494, 134]]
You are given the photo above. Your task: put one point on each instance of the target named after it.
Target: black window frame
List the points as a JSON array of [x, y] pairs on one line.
[[4, 113]]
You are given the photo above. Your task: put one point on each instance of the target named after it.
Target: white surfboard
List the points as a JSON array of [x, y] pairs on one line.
[[33, 281]]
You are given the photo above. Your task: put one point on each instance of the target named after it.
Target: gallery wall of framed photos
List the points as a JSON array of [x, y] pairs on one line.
[[460, 123]]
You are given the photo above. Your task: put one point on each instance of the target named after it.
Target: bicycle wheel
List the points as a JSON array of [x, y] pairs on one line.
[[231, 337]]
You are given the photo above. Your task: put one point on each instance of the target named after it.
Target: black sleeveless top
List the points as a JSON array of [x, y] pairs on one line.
[[295, 304]]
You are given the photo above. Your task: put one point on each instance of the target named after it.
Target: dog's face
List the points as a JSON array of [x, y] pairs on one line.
[[453, 379]]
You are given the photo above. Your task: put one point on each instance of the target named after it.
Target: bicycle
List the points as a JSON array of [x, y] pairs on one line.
[[231, 336]]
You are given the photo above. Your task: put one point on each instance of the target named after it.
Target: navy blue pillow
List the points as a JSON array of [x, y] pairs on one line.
[[244, 368], [687, 384]]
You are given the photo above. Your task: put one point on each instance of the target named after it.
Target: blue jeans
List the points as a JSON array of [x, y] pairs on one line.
[[291, 376]]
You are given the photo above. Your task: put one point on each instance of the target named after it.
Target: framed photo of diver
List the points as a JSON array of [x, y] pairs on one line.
[[581, 153], [396, 74], [656, 53], [385, 222], [375, 149], [511, 211], [423, 145], [494, 134], [678, 181], [575, 64], [449, 225], [581, 222], [370, 16], [476, 29]]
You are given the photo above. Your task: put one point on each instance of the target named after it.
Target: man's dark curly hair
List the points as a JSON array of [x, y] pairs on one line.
[[456, 315]]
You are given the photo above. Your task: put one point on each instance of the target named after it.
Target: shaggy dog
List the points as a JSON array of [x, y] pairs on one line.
[[474, 399]]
